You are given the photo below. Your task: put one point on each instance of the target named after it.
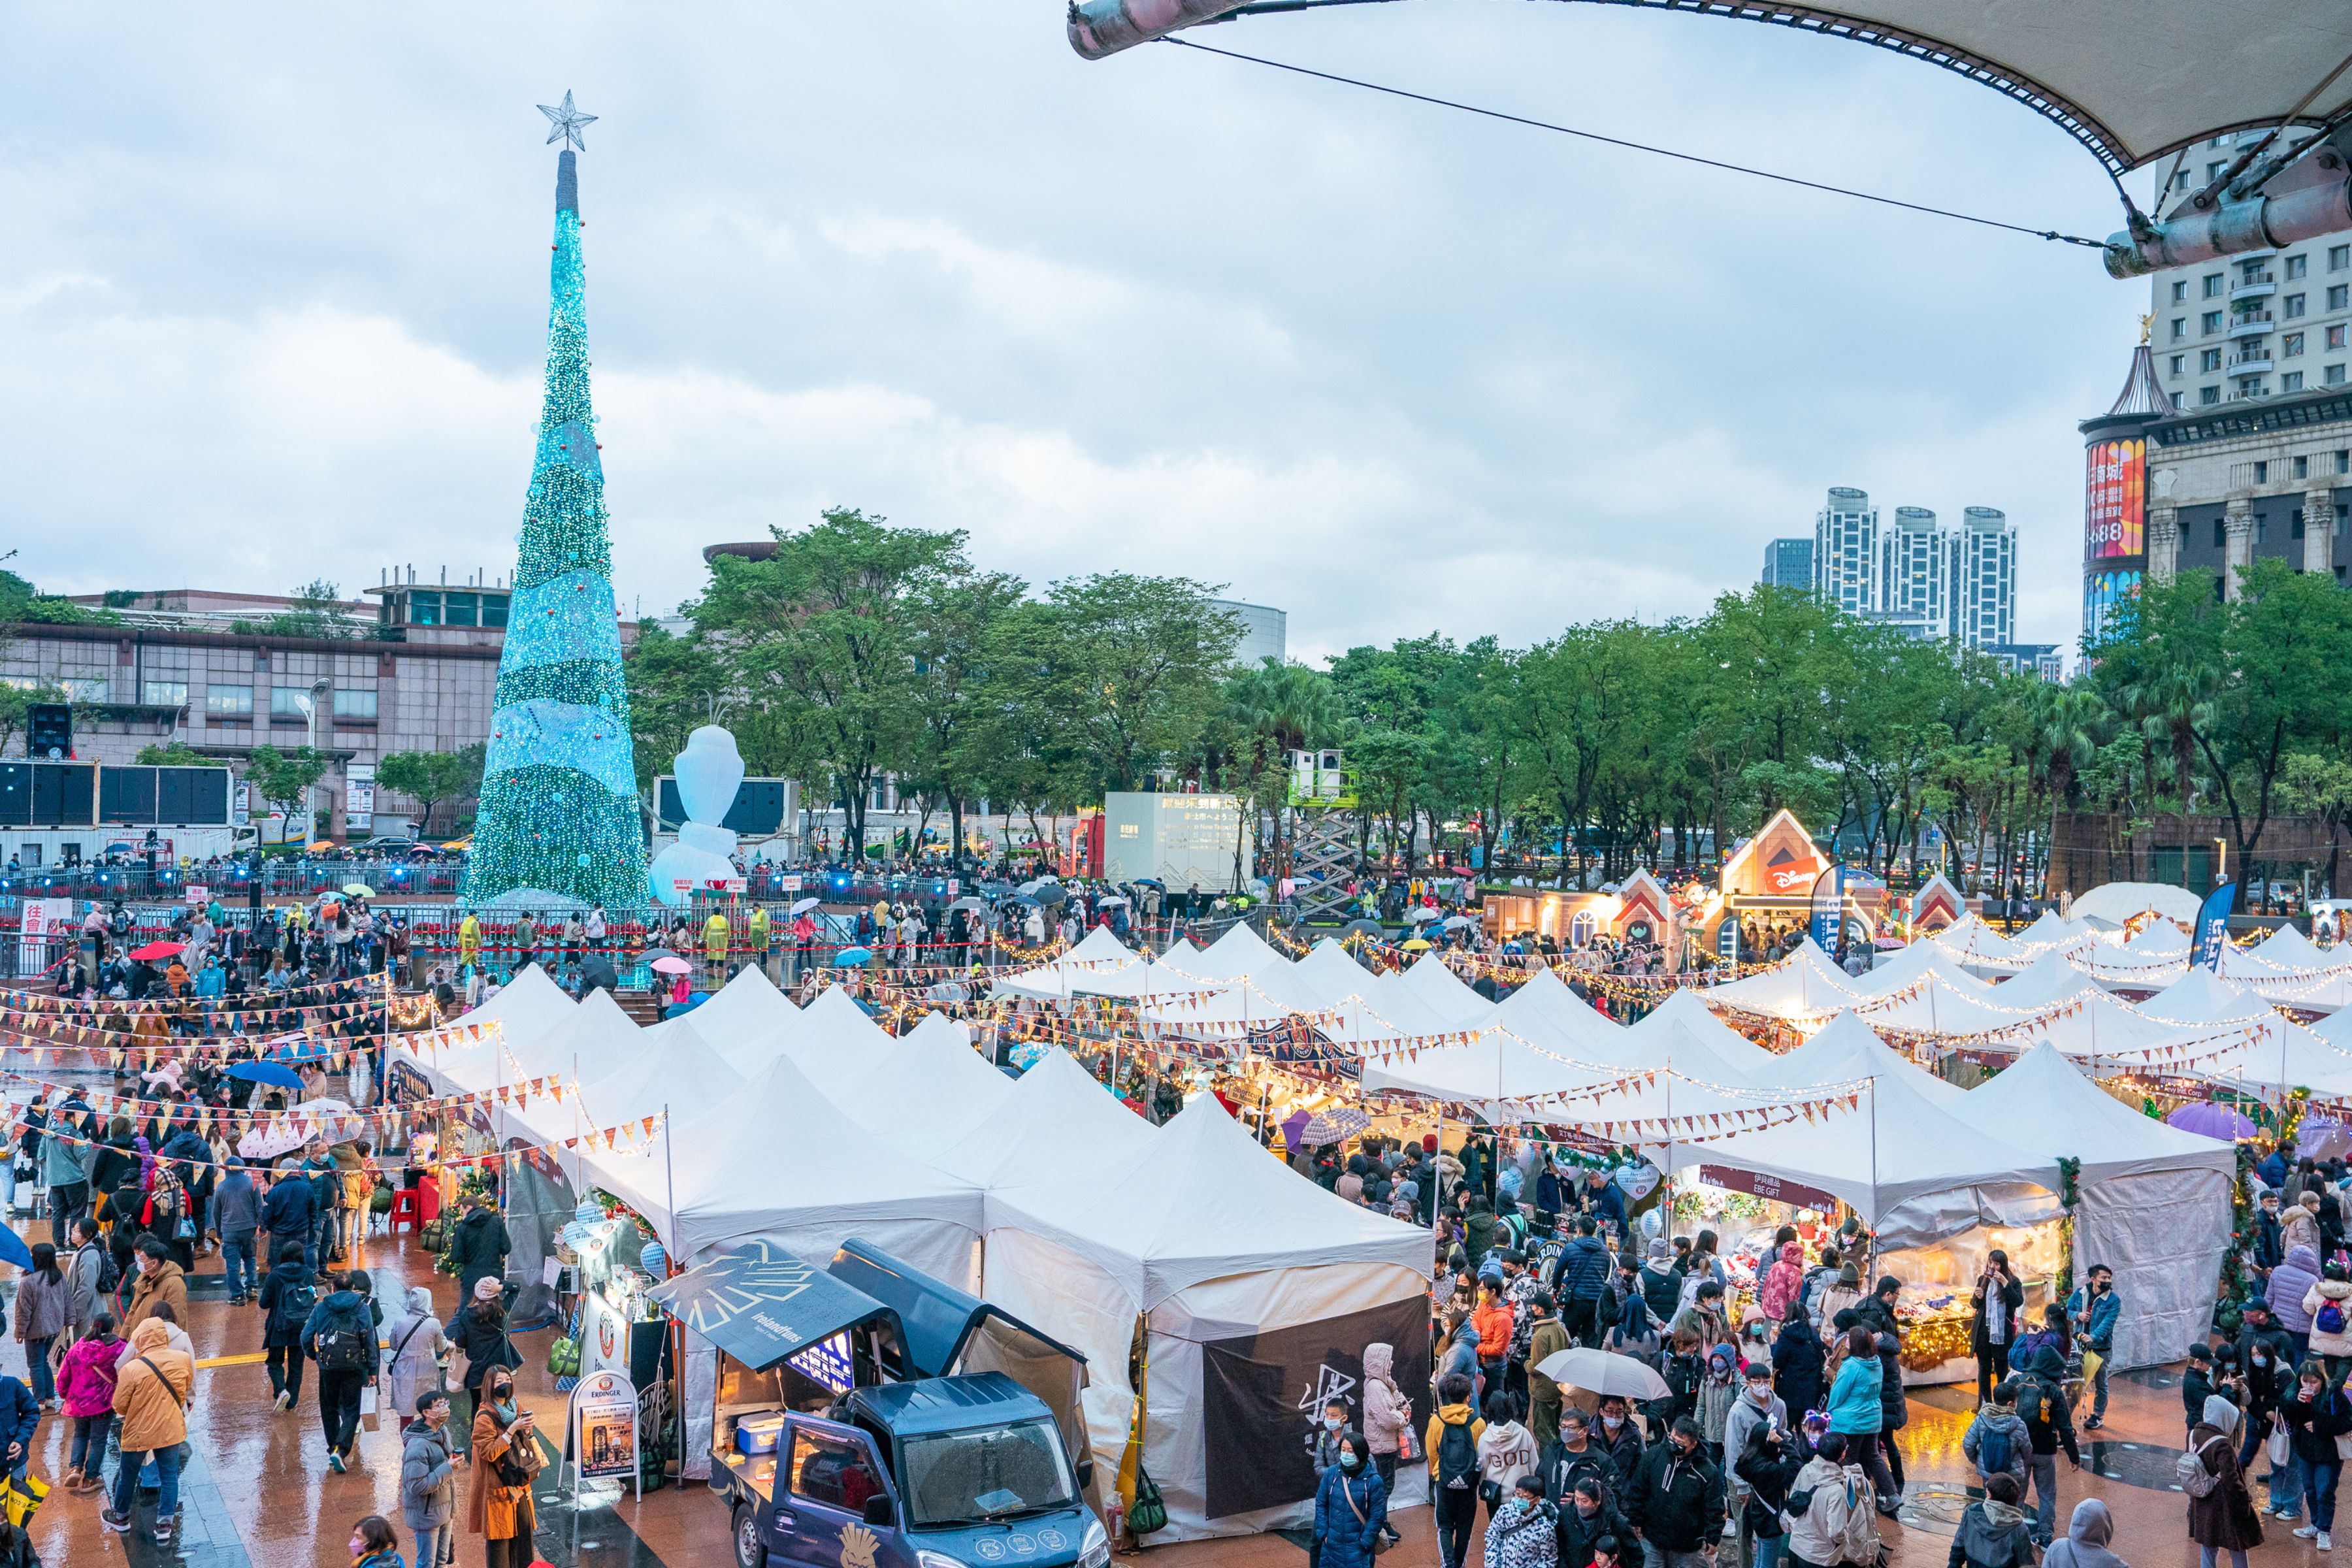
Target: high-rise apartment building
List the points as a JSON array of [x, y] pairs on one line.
[[1984, 578], [2258, 324], [1845, 551], [1956, 585], [1788, 563]]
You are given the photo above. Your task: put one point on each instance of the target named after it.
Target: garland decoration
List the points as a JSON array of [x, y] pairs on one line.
[[2070, 1193]]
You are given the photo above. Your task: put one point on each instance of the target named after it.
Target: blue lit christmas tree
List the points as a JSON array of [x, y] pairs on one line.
[[558, 814]]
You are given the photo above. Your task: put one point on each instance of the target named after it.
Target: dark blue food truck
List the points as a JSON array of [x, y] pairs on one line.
[[867, 1416]]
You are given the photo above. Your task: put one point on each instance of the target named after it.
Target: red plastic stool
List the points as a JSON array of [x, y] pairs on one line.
[[404, 1211]]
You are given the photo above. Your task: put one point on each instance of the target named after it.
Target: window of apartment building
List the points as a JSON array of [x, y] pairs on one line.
[[2344, 462], [2213, 285], [2261, 527], [2209, 394], [2291, 381], [2339, 257], [2175, 364], [2335, 338], [2295, 266], [84, 688], [2179, 328], [288, 702], [2220, 534], [456, 608], [2292, 307], [2212, 321], [355, 704], [234, 703], [2176, 402], [163, 693], [2302, 468], [2262, 473], [2180, 181], [2290, 345], [2213, 170], [2210, 359], [2338, 295], [2179, 289], [2294, 525], [2333, 376]]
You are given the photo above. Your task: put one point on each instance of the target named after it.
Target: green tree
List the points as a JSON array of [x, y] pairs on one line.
[[1133, 671], [428, 778], [316, 610], [173, 755], [284, 779]]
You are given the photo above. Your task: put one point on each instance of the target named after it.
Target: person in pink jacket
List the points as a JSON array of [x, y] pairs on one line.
[[85, 1389], [1783, 1281], [1387, 1416]]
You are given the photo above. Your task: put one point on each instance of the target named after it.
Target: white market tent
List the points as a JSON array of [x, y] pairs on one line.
[[1200, 1235], [2159, 939], [1684, 1032], [1444, 991], [1547, 1013], [679, 1073], [2153, 1202], [1097, 956], [2277, 1053], [778, 1159], [2050, 930], [836, 1044], [748, 1005], [596, 1038], [1977, 948], [1056, 1111], [1804, 984], [526, 1007], [929, 1090], [1240, 951], [1846, 1048], [2048, 980], [2119, 903], [1329, 976], [2288, 949], [1933, 1005], [1922, 961]]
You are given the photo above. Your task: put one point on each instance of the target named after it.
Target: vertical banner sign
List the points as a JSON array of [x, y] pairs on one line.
[[45, 924], [1829, 907], [2213, 926], [1726, 938], [1262, 1395]]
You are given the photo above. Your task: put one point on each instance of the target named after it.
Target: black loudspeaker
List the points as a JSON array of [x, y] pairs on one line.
[[49, 731]]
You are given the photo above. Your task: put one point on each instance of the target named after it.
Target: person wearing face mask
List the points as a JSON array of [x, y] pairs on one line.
[[373, 1545], [2263, 1359], [429, 1480], [1388, 1416], [1523, 1532], [1757, 1407], [1583, 1517], [1572, 1457], [1620, 1436], [1351, 1506], [506, 1456], [1676, 1501]]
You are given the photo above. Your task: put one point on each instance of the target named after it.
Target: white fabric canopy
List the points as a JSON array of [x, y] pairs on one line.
[[529, 1007], [2050, 978], [931, 1089], [1329, 976], [749, 1004], [1239, 952], [1545, 1011], [2154, 1203], [1054, 1116], [1846, 1048], [836, 1044], [1921, 961], [1804, 984], [778, 1160], [2119, 902], [595, 1039], [1444, 991], [679, 1072], [1098, 958], [1977, 948], [1684, 1032], [1933, 1005]]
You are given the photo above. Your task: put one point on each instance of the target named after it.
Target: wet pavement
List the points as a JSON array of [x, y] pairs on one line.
[[258, 1494]]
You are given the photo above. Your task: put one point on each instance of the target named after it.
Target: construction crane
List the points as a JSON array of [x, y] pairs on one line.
[[2135, 81]]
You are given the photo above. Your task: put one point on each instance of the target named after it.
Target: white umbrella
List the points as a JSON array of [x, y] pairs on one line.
[[805, 905], [1603, 1374], [1424, 914], [1456, 922]]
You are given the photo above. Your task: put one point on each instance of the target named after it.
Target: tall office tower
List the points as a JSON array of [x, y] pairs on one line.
[[1788, 563], [1845, 551], [1984, 577]]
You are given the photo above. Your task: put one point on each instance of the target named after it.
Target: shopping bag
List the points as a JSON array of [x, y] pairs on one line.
[[367, 1399], [2280, 1450], [21, 1500]]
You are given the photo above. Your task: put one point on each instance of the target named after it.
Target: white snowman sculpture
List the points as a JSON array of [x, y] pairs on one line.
[[708, 770]]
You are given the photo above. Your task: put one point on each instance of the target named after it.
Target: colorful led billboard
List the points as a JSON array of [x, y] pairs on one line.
[[2115, 516]]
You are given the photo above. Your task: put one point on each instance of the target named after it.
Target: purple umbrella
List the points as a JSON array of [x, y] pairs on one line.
[[2213, 1122]]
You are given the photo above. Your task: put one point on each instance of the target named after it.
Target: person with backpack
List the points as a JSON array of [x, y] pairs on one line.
[[235, 1221], [86, 1389], [1993, 1532], [1766, 1467], [2221, 1512], [2048, 1426], [2330, 1303], [1677, 1499], [152, 1384], [2196, 1383], [1351, 1506], [1829, 1499], [339, 1335], [1506, 1452], [2284, 1291], [2316, 1414], [91, 1277], [479, 1247], [2262, 1366], [1581, 1280], [1452, 1446], [288, 1298], [1996, 1441], [1661, 1282]]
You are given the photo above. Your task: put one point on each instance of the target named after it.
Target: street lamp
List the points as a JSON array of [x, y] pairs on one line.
[[310, 701]]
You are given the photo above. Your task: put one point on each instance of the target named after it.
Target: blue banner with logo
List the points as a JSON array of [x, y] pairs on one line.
[[1829, 907], [2213, 926]]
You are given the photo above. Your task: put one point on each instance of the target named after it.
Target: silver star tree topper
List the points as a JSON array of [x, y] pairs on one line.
[[567, 122]]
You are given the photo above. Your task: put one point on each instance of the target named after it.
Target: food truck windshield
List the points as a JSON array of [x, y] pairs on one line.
[[985, 1475]]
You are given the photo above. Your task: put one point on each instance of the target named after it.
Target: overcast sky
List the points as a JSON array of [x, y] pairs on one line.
[[273, 299]]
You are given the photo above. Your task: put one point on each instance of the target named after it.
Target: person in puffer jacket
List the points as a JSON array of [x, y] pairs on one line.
[[1386, 1416], [1808, 1538], [1523, 1533], [1783, 1281], [2329, 1302], [2290, 1282], [1997, 1423]]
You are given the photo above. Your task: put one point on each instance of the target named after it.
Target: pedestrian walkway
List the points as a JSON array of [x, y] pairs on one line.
[[257, 1492]]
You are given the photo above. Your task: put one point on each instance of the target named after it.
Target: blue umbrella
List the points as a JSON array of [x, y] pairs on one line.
[[267, 1072], [851, 957], [13, 1248]]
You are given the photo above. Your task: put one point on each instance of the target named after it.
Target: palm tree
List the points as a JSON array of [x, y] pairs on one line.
[[1282, 708], [2180, 703], [2063, 737]]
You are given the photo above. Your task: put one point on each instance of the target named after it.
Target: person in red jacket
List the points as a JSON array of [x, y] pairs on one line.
[[1493, 1320]]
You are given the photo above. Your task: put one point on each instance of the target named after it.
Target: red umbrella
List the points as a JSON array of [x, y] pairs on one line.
[[156, 950]]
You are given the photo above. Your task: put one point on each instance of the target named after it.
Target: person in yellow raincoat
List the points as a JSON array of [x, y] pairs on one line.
[[759, 936], [714, 944], [470, 942]]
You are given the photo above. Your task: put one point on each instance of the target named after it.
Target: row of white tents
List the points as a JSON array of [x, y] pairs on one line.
[[1046, 1195]]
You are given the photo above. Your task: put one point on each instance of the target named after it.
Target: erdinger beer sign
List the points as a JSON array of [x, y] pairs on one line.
[[1781, 862]]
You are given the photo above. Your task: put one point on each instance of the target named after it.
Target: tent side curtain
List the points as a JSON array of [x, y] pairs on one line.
[[939, 1320]]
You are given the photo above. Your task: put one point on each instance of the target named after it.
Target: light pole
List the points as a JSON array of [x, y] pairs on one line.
[[310, 701]]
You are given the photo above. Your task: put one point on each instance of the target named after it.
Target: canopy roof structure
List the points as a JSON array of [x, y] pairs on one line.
[[930, 1088], [2119, 903], [1099, 956], [1329, 974], [749, 1004], [1056, 1103], [2042, 1102], [1683, 1031], [1922, 960], [1977, 948], [1804, 984], [1934, 1005], [1444, 991], [2050, 978], [836, 1044], [1846, 1048], [2130, 79], [681, 1075], [1200, 1201]]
